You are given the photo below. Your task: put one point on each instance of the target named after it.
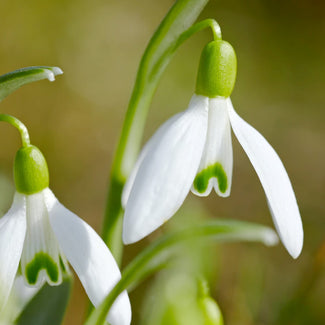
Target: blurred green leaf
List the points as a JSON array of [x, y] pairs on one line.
[[47, 306], [183, 299], [11, 81], [160, 251]]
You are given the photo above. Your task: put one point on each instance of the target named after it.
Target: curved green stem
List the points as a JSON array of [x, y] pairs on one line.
[[160, 251], [174, 30], [206, 23], [19, 126]]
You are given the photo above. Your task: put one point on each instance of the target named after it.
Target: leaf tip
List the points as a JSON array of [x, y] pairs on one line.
[[52, 72], [270, 238]]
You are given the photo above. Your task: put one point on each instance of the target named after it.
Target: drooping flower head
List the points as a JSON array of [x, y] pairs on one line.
[[193, 151], [42, 236]]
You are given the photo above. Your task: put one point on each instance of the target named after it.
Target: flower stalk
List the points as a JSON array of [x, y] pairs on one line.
[[19, 126], [173, 31]]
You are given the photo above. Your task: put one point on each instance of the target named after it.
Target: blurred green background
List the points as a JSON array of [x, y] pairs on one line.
[[76, 122]]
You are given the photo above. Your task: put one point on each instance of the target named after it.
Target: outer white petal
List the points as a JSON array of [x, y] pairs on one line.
[[20, 296], [90, 258], [150, 145], [275, 181], [217, 160], [167, 171], [12, 236]]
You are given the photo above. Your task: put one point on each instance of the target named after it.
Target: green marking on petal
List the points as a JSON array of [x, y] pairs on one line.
[[216, 170], [62, 265], [42, 261]]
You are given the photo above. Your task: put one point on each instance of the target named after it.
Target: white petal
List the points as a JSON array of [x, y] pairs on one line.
[[40, 260], [275, 181], [217, 160], [167, 171], [150, 145], [12, 236], [90, 258], [20, 296]]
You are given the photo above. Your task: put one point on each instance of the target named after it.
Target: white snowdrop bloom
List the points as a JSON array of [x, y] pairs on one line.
[[193, 151], [41, 235]]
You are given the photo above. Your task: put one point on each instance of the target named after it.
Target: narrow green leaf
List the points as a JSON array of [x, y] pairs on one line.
[[170, 34], [159, 252], [11, 81], [47, 306]]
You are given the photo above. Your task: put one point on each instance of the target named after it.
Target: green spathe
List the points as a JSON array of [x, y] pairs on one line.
[[41, 261], [216, 170], [30, 170], [217, 70]]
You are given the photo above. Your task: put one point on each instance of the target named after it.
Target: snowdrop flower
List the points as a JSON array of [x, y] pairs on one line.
[[42, 236], [193, 150]]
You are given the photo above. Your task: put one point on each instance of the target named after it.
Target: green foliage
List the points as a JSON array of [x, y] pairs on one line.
[[174, 29], [176, 298], [11, 81], [47, 306], [160, 251]]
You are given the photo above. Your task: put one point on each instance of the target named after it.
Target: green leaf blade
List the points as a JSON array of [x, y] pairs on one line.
[[11, 81], [47, 306], [170, 34], [162, 45], [160, 251]]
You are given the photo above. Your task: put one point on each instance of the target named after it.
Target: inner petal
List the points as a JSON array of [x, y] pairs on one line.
[[41, 259], [217, 160]]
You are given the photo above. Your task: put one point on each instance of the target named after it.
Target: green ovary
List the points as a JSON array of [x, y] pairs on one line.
[[216, 170], [41, 261]]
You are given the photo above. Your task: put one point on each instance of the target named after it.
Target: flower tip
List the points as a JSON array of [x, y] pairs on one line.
[[293, 239], [128, 238], [120, 313], [296, 248], [132, 233]]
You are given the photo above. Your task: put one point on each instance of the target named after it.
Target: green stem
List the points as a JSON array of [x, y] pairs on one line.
[[152, 65], [160, 251], [207, 23], [19, 126]]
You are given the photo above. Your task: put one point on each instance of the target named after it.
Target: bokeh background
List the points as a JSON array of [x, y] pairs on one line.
[[77, 119]]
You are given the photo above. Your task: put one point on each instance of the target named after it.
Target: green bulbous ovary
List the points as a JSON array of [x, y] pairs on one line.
[[217, 70], [30, 170]]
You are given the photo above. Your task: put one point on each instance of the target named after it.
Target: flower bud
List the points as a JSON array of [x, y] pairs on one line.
[[217, 70], [211, 312], [30, 170], [209, 308]]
